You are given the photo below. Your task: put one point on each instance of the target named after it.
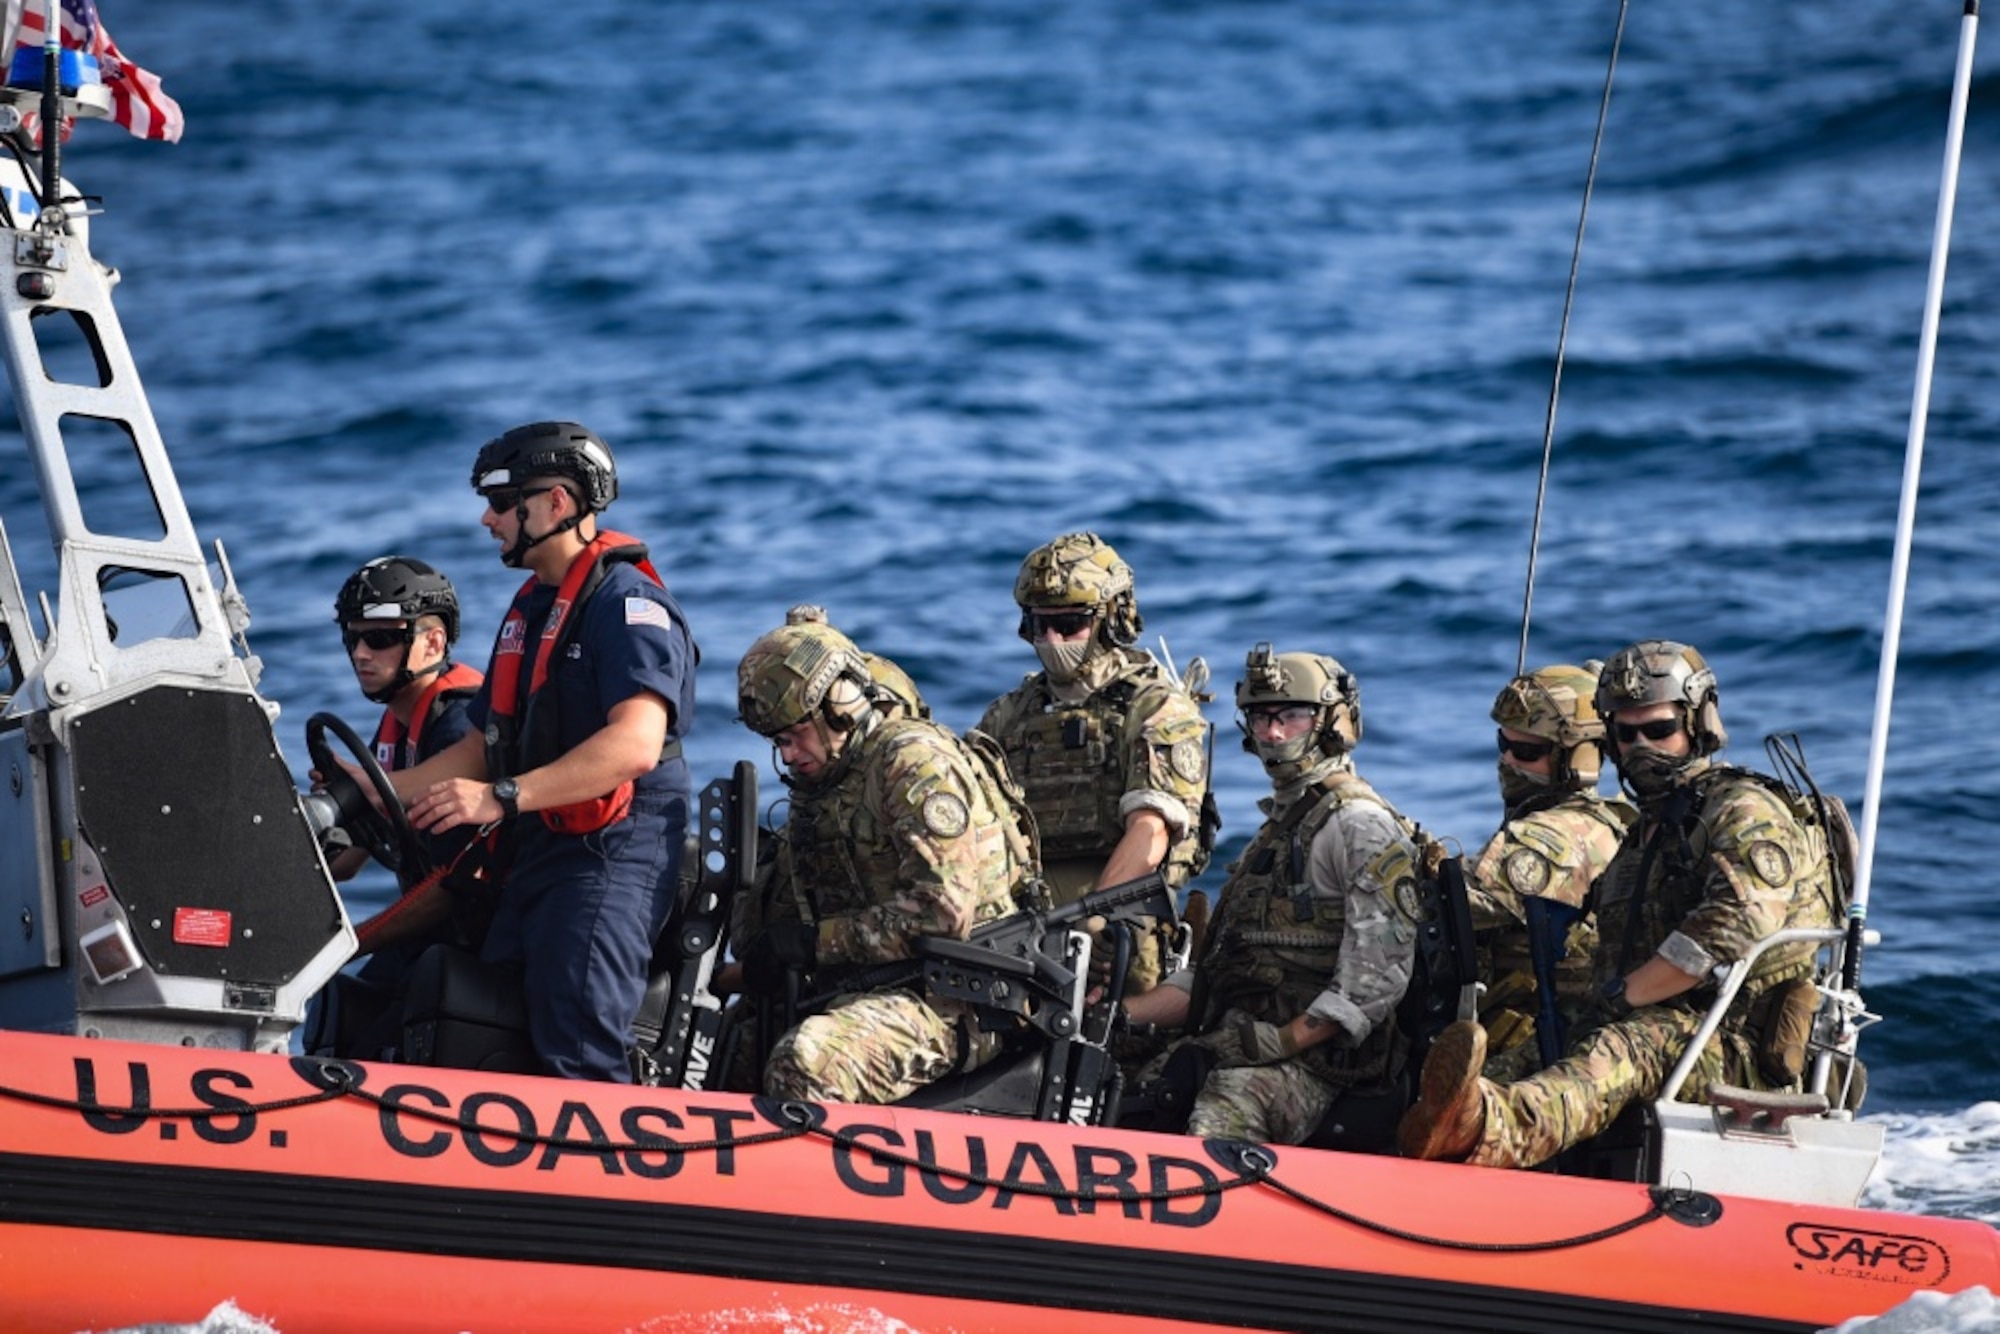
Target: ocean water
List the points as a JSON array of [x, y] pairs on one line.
[[872, 297]]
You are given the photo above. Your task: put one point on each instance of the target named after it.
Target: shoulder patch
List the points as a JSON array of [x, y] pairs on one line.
[[1551, 843], [645, 611], [1408, 901], [945, 815], [1527, 871], [1392, 866], [1770, 862], [1187, 760]]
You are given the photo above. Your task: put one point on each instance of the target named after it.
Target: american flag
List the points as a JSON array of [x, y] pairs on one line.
[[137, 100], [645, 611]]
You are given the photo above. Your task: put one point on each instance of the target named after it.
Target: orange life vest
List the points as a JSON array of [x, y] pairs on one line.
[[395, 747], [519, 736]]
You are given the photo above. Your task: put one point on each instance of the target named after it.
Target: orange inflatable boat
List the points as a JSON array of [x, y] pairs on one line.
[[141, 1185]]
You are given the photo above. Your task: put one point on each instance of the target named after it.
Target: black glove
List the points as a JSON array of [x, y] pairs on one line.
[[780, 948], [1612, 1004]]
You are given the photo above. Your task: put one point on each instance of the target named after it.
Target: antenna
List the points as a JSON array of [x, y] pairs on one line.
[[52, 113], [1906, 512], [1562, 341]]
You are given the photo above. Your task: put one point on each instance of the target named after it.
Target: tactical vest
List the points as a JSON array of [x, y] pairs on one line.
[[1273, 945], [1505, 961], [1677, 864], [843, 851], [398, 748], [1070, 762]]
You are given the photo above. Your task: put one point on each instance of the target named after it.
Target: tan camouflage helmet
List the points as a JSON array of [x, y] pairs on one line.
[[1558, 704], [798, 671], [1302, 678], [1661, 671], [1080, 571], [892, 685]]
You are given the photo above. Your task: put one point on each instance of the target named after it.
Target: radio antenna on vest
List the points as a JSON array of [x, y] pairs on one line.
[[1562, 341], [1906, 512]]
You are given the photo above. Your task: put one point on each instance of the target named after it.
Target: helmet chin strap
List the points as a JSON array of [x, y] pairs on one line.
[[516, 555], [404, 676]]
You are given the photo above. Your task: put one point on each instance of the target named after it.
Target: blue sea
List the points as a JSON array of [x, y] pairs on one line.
[[873, 296]]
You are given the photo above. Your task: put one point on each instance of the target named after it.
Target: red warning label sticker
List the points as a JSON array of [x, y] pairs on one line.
[[201, 926]]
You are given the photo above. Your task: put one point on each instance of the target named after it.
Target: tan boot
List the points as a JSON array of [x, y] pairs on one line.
[[1449, 1114]]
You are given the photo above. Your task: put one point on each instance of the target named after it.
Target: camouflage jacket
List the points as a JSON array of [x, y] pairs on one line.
[[904, 841], [1137, 742], [1746, 860], [1554, 853], [1319, 916]]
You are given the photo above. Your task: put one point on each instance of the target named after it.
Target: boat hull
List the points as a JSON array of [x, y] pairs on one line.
[[388, 1197]]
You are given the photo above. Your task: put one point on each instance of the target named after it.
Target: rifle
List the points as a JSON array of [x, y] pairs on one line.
[[1031, 966]]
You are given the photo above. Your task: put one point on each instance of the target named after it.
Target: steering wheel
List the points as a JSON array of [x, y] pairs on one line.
[[387, 834]]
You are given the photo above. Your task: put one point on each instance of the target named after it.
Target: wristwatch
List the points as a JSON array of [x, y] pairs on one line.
[[508, 793], [1613, 995]]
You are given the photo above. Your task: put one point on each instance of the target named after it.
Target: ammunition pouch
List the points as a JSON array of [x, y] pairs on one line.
[[1783, 1021], [1507, 1028]]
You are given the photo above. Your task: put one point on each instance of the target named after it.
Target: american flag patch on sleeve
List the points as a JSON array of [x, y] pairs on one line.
[[645, 611]]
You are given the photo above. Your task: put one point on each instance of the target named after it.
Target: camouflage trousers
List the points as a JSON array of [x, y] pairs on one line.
[[1534, 1119], [1280, 1103], [871, 1048]]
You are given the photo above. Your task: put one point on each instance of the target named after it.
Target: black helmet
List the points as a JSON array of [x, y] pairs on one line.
[[550, 449], [398, 588]]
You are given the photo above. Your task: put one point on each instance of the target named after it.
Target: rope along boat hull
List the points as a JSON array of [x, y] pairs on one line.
[[141, 1184]]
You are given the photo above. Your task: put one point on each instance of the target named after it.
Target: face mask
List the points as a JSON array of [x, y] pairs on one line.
[[1651, 773], [1062, 661], [1517, 787], [1281, 758]]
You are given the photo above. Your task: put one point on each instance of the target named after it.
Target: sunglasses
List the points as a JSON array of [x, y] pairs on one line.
[[1063, 623], [504, 498], [1528, 751], [1657, 730], [380, 639]]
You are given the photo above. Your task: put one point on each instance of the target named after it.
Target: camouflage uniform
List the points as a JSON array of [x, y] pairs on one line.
[[1136, 742], [1752, 863], [904, 839], [1554, 853], [1319, 916]]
